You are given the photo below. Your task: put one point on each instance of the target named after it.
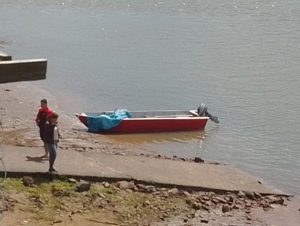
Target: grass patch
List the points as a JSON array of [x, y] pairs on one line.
[[46, 200]]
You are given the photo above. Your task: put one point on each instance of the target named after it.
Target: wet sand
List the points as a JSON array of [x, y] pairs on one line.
[[20, 103]]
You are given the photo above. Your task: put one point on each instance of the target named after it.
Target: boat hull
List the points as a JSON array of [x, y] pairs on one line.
[[154, 125]]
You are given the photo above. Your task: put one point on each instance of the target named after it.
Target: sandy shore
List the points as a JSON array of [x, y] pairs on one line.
[[19, 103]]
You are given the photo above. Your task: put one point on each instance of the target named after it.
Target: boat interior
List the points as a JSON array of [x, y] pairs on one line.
[[155, 114]]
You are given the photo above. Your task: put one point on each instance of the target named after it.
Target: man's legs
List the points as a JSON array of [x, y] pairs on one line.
[[42, 138], [52, 148], [46, 151]]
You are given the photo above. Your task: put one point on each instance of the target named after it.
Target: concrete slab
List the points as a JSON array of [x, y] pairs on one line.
[[150, 170], [4, 56], [22, 70]]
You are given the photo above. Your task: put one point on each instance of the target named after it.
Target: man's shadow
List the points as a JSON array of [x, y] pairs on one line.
[[36, 159]]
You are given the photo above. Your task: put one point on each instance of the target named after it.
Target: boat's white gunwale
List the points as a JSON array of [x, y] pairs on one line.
[[146, 112], [169, 118]]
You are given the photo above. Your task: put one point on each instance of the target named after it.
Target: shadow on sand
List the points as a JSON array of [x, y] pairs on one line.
[[38, 159]]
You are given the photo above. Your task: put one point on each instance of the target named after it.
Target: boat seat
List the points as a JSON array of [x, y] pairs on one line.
[[194, 112]]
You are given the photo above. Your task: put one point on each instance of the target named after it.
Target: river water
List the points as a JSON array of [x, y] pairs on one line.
[[240, 57]]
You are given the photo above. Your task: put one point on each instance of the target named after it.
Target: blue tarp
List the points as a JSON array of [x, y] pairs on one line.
[[104, 122]]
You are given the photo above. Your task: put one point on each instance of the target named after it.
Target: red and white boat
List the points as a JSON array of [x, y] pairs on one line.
[[154, 121]]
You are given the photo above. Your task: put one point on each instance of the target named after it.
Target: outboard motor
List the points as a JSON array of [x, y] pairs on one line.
[[202, 111]]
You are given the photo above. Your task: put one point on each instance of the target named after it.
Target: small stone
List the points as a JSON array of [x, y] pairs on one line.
[[186, 193], [57, 222], [257, 195], [264, 203], [215, 201], [237, 207], [248, 204], [196, 205], [21, 143], [267, 208], [185, 220], [239, 202], [205, 208], [101, 196], [141, 187], [150, 189], [173, 191], [83, 186], [241, 194], [205, 198], [247, 211], [207, 203], [231, 198], [165, 194], [165, 215], [220, 200], [205, 221], [225, 208], [27, 181], [190, 216], [72, 180], [125, 185], [106, 185], [148, 202], [198, 160], [276, 200], [249, 218], [250, 195], [280, 201]]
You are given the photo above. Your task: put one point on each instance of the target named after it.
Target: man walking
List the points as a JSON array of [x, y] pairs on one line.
[[51, 138], [41, 119]]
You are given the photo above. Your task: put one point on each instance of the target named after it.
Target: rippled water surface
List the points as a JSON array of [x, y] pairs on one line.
[[241, 58]]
